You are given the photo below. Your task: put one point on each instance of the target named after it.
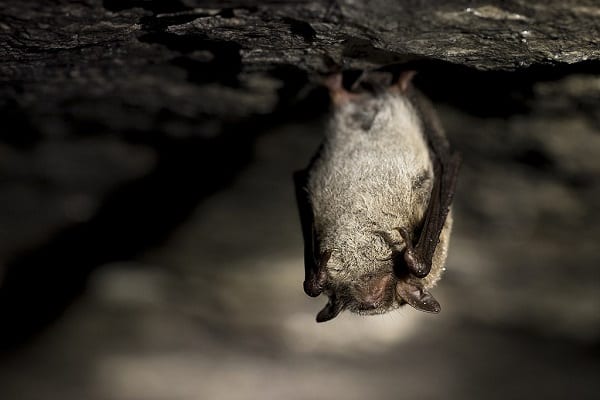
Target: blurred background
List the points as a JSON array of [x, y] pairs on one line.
[[150, 246]]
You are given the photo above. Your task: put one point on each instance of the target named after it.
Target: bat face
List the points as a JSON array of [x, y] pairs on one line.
[[368, 294], [374, 204], [386, 285]]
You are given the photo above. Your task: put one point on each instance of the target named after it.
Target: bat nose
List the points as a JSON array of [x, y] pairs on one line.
[[371, 300], [372, 294]]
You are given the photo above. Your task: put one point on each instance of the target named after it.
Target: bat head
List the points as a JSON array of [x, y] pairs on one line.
[[376, 292]]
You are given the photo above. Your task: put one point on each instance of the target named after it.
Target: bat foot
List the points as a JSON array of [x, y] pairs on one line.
[[338, 94]]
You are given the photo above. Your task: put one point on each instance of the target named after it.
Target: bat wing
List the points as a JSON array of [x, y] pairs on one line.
[[445, 165], [419, 253], [314, 273]]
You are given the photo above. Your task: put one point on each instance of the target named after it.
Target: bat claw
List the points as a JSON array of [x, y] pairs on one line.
[[415, 265], [417, 268]]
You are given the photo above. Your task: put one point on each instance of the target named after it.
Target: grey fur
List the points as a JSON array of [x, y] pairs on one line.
[[374, 174]]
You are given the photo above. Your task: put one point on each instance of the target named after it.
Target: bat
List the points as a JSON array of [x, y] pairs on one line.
[[374, 202]]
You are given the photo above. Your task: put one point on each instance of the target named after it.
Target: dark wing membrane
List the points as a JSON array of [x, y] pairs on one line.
[[312, 281], [437, 211], [446, 165]]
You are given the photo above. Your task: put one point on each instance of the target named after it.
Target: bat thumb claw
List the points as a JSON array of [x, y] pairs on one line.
[[416, 267]]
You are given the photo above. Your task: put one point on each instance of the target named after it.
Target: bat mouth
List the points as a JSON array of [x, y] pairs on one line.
[[380, 309], [367, 307]]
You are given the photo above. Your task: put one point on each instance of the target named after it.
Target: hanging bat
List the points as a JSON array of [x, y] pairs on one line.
[[375, 201]]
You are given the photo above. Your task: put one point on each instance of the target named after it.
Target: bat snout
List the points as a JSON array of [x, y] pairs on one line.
[[373, 292]]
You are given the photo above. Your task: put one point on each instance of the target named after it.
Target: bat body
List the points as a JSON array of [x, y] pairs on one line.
[[374, 203]]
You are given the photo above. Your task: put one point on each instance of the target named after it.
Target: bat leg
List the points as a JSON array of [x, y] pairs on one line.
[[338, 94], [403, 82], [417, 296]]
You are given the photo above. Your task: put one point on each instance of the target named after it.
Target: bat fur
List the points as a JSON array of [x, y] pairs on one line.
[[372, 178]]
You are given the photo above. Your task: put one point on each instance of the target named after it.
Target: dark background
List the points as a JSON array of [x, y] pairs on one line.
[[149, 240]]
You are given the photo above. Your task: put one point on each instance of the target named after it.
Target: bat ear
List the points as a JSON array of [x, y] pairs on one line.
[[331, 310], [417, 296], [405, 79]]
